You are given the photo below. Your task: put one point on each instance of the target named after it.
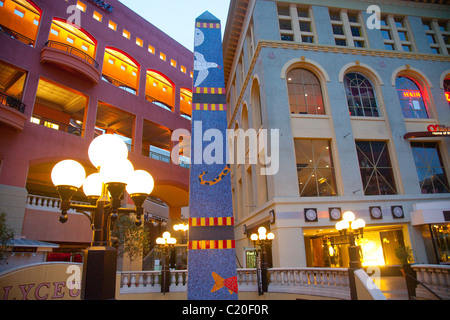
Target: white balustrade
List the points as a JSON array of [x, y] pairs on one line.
[[328, 282], [43, 203], [435, 277]]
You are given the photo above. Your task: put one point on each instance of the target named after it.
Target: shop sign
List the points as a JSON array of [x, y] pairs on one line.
[[412, 94], [102, 4], [439, 130]]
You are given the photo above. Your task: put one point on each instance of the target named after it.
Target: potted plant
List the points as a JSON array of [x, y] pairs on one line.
[[405, 255]]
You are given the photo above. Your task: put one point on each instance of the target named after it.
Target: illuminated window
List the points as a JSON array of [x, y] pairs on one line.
[[430, 168], [112, 25], [139, 42], [447, 89], [173, 63], [19, 13], [411, 99], [123, 67], [2, 3], [192, 74], [183, 69], [305, 92], [81, 6], [35, 120], [360, 95], [162, 56], [51, 125], [151, 49], [376, 169], [126, 34], [84, 47], [54, 31], [111, 61], [36, 21], [97, 16], [70, 40], [315, 168]]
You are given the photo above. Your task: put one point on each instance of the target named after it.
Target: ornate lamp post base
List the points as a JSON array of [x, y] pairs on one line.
[[99, 274]]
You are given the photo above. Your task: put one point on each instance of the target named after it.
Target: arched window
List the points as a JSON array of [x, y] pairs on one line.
[[361, 97], [256, 106], [305, 92], [447, 89], [411, 98]]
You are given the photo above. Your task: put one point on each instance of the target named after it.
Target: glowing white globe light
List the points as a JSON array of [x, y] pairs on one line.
[[116, 171], [93, 185], [107, 147], [140, 182], [349, 216], [68, 173]]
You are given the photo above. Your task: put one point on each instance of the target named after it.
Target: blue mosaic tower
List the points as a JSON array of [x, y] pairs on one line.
[[212, 271]]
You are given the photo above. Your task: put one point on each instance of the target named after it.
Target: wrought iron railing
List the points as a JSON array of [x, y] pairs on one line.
[[119, 84], [72, 50], [12, 102], [158, 102], [15, 35], [56, 125]]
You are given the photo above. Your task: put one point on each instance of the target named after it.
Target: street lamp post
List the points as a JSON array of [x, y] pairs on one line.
[[349, 230], [166, 243], [262, 239], [108, 153]]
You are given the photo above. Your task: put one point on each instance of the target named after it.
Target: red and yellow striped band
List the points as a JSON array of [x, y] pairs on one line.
[[209, 25], [211, 222], [209, 90], [211, 244], [209, 107]]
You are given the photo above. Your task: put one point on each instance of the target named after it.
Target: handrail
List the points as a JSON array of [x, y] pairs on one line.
[[61, 126], [421, 283], [72, 50], [15, 35], [119, 84], [12, 102]]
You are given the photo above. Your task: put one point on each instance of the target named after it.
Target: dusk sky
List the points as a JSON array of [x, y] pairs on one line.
[[177, 17]]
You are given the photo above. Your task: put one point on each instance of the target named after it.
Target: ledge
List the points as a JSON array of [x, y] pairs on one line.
[[71, 63], [12, 118]]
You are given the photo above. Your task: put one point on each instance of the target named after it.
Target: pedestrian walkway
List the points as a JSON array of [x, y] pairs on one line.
[[394, 288]]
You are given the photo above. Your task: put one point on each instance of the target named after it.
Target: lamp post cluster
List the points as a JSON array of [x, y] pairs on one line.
[[166, 244], [104, 189], [350, 230], [262, 239]]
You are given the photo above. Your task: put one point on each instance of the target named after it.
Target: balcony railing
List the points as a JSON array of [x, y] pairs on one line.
[[74, 51], [158, 103], [56, 125], [436, 278], [119, 84], [162, 157], [15, 35], [44, 203], [326, 282], [11, 102]]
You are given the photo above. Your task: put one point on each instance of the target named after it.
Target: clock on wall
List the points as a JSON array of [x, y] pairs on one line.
[[311, 215], [335, 214], [376, 213], [397, 212]]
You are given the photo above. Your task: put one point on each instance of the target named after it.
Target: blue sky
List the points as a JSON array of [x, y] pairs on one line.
[[177, 17]]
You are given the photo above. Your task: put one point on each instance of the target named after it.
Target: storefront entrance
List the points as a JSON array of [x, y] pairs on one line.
[[325, 248]]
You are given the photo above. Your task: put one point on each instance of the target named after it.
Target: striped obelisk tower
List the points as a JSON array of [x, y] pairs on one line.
[[211, 260]]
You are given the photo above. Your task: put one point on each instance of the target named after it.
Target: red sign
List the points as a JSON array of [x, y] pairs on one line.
[[447, 96], [412, 94], [439, 130]]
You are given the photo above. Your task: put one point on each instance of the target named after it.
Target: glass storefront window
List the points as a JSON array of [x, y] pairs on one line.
[[377, 249], [441, 237]]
